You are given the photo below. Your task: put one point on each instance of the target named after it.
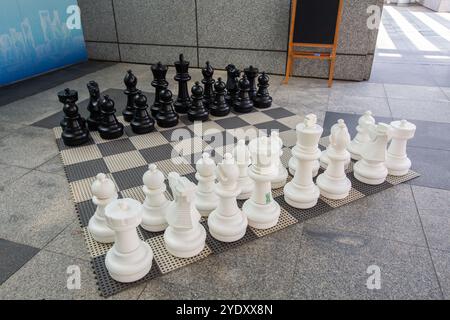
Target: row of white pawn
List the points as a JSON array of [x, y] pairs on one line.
[[115, 220], [375, 159]]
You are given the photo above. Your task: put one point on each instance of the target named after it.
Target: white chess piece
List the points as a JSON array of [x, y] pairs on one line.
[[206, 199], [292, 164], [282, 173], [130, 258], [301, 192], [324, 159], [104, 192], [333, 183], [397, 161], [184, 237], [242, 157], [156, 204], [261, 209], [227, 223], [366, 123], [371, 169]]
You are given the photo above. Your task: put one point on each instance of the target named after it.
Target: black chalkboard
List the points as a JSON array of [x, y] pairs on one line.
[[315, 21]]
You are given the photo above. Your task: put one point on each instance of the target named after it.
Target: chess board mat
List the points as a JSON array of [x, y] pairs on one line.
[[125, 160]]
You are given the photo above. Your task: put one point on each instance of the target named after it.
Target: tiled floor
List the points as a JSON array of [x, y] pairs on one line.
[[403, 230]]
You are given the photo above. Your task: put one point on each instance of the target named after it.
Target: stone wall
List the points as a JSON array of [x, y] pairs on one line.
[[232, 31]]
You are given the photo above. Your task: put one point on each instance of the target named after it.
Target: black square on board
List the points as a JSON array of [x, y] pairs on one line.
[[158, 153], [116, 147], [83, 170]]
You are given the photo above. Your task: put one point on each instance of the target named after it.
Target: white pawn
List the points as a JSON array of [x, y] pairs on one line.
[[156, 204], [324, 159], [261, 209], [242, 157], [301, 192], [104, 192], [227, 223], [333, 183], [397, 161], [282, 172], [184, 237], [130, 258], [366, 123], [206, 200], [371, 169]]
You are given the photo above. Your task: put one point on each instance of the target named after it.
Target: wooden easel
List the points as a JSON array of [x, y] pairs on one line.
[[330, 56]]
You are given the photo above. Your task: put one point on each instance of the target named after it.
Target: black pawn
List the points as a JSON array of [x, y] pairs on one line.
[[244, 104], [197, 112], [131, 92], [220, 108], [208, 82], [142, 122], [251, 73], [183, 102], [232, 84], [110, 127], [263, 99], [159, 83], [166, 118], [74, 133], [95, 114]]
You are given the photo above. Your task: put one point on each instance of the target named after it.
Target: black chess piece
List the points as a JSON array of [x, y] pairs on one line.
[[197, 112], [159, 83], [208, 82], [244, 104], [110, 127], [142, 122], [95, 100], [232, 84], [220, 108], [63, 122], [251, 73], [166, 117], [183, 102], [263, 100], [131, 92], [74, 133]]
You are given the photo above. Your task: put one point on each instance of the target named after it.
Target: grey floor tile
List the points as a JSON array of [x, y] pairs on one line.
[[8, 174], [237, 274], [28, 147], [7, 128], [359, 105], [333, 265], [35, 208], [351, 120], [430, 198], [70, 242], [390, 214], [431, 135], [440, 74], [441, 262], [359, 89], [438, 111], [412, 74], [436, 224], [433, 165], [446, 91], [14, 256], [54, 165], [157, 289], [28, 110], [415, 92], [45, 277]]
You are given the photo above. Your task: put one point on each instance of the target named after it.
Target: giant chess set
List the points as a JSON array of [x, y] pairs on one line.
[[149, 204]]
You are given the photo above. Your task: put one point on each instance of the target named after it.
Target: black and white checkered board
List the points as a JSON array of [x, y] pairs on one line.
[[125, 160]]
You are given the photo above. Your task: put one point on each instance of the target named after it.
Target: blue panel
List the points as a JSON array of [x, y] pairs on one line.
[[35, 38]]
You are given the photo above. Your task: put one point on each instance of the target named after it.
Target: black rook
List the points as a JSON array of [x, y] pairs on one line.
[[75, 132]]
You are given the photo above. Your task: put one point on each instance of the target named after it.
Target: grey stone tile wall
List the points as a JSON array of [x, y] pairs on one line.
[[234, 31]]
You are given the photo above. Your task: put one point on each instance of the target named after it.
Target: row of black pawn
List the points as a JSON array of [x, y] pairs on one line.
[[216, 99]]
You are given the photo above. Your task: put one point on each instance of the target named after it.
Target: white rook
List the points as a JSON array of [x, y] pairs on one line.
[[130, 258], [397, 161]]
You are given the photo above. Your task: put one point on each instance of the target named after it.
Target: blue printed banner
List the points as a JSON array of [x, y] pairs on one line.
[[37, 36]]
